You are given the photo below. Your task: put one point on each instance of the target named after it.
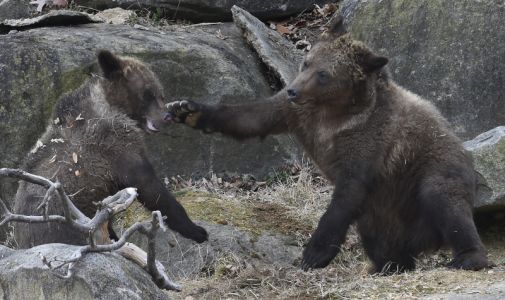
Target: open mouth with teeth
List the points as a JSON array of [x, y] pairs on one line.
[[150, 126], [153, 125]]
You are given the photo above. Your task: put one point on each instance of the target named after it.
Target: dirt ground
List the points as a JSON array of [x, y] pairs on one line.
[[292, 206]]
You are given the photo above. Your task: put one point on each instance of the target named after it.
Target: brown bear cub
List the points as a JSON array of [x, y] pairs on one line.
[[95, 147], [398, 170]]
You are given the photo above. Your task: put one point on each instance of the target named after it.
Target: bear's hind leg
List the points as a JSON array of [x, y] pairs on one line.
[[446, 201], [468, 251]]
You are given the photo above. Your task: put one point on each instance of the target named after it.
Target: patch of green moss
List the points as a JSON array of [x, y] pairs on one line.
[[68, 81], [405, 20], [35, 80], [135, 213], [255, 219], [33, 86], [210, 208]]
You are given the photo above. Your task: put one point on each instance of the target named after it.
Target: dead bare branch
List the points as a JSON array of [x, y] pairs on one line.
[[91, 227], [154, 268], [68, 206], [44, 204]]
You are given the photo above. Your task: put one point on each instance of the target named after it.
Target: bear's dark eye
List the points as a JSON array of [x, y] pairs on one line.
[[323, 77]]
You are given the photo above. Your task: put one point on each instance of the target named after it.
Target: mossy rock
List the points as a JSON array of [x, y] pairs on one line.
[[38, 65], [447, 51], [253, 233]]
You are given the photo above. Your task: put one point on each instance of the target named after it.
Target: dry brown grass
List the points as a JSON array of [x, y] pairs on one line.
[[292, 206], [304, 197], [345, 278]]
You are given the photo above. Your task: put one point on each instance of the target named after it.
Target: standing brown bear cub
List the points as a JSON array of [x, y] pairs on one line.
[[398, 170], [95, 147]]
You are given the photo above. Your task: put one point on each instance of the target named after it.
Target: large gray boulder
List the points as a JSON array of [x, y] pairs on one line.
[[15, 9], [451, 52], [242, 233], [210, 10], [488, 150], [202, 63], [183, 258], [23, 275]]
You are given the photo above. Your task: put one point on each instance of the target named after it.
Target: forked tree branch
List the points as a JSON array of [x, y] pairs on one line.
[[90, 228], [70, 210]]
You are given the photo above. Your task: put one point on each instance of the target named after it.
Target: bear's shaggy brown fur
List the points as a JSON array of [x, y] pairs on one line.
[[398, 170], [95, 147]]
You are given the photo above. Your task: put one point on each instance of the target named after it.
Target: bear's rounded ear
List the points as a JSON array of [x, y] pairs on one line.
[[336, 27], [371, 62], [109, 63]]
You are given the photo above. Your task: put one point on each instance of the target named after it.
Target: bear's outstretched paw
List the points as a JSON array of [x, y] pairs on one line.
[[183, 111], [318, 255], [475, 260]]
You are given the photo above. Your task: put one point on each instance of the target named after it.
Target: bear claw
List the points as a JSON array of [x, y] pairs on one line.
[[318, 256], [470, 261]]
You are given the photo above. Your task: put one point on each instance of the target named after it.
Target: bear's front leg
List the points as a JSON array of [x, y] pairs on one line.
[[240, 121], [352, 186], [325, 242], [134, 170]]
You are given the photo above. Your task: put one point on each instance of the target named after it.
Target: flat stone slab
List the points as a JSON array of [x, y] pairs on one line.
[[53, 18], [277, 53]]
